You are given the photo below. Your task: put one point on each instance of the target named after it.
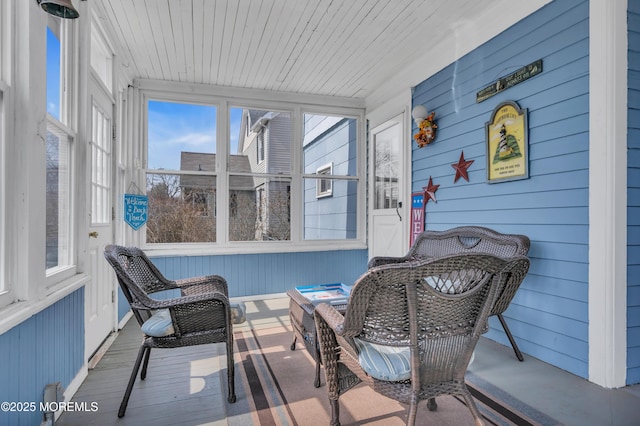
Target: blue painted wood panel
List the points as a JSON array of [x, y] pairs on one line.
[[633, 195], [549, 315], [267, 273], [46, 348]]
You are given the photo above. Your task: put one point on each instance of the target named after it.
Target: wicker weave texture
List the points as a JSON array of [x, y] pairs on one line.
[[407, 304], [200, 315]]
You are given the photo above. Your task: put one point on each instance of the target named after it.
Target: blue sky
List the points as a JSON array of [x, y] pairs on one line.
[[173, 127], [177, 127]]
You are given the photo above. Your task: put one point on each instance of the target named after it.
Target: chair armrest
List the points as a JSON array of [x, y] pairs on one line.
[[150, 303], [385, 260], [330, 315], [204, 284]]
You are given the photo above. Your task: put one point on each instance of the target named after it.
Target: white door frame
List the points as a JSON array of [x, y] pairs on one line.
[[404, 185]]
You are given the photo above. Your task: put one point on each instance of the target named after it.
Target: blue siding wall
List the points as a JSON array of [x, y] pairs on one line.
[[266, 273], [46, 348], [549, 314], [633, 197]]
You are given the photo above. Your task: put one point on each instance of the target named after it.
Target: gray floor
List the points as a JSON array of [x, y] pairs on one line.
[[566, 398]]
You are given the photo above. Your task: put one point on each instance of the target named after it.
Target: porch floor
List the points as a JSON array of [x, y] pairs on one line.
[[560, 395]]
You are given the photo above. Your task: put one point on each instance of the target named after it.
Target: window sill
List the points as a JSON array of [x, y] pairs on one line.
[[250, 247], [18, 312]]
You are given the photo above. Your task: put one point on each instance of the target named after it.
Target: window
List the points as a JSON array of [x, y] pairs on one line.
[[60, 258], [324, 186], [190, 176], [260, 175], [5, 49], [334, 139], [181, 172]]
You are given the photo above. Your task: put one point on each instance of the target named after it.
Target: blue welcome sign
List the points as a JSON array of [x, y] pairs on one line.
[[135, 210]]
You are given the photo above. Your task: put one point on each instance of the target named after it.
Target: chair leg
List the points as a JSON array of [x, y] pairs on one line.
[[413, 409], [143, 373], [335, 412], [514, 345], [471, 404], [432, 405], [132, 379], [231, 371]]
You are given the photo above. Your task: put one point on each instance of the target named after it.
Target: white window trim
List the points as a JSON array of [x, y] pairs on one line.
[[222, 98]]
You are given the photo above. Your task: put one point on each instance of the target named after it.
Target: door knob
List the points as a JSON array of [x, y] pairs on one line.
[[93, 234]]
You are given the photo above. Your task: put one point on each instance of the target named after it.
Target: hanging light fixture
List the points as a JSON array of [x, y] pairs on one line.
[[59, 8]]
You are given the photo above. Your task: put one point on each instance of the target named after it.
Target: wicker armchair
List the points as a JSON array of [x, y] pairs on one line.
[[470, 239], [424, 317], [201, 315]]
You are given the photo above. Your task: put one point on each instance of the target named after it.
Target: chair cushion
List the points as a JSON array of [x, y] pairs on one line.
[[159, 324], [390, 363], [238, 312], [444, 286]]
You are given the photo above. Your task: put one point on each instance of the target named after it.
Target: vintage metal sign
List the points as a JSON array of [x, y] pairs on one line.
[[135, 210], [511, 80], [507, 143]]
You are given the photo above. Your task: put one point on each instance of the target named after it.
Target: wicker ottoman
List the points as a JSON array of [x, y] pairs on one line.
[[304, 327]]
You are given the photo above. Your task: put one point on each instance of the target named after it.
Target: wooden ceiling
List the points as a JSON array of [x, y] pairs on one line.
[[343, 48]]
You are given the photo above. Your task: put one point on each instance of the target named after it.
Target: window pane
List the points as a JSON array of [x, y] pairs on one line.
[[331, 217], [329, 139], [387, 168], [259, 208], [57, 199], [260, 141], [53, 74], [181, 208], [174, 128], [330, 203]]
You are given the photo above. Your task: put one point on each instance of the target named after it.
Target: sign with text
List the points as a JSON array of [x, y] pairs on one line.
[[417, 215], [135, 210]]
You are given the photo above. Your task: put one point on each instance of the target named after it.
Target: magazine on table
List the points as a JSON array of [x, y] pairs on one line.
[[334, 294]]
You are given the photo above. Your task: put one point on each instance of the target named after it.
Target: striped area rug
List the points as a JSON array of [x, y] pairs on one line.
[[274, 386]]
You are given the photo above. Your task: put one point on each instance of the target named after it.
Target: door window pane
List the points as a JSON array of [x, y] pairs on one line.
[[387, 168]]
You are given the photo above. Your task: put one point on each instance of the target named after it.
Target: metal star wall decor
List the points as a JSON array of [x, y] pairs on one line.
[[430, 191], [461, 168]]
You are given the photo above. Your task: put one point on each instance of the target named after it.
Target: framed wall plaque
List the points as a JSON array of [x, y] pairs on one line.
[[507, 143]]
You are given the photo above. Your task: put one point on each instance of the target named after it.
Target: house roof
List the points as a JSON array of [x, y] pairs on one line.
[[200, 161]]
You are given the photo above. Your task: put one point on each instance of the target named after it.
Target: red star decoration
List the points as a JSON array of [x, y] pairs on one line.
[[430, 191], [461, 168]]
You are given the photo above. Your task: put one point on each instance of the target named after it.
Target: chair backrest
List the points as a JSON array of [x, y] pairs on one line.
[[475, 239], [469, 239], [438, 306], [137, 276]]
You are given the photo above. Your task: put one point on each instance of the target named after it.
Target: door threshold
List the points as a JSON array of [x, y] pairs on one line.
[[95, 358]]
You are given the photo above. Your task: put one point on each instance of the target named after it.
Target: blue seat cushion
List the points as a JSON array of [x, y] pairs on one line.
[[389, 363], [159, 324]]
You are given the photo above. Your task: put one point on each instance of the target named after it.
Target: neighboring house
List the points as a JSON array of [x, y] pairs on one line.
[[265, 142]]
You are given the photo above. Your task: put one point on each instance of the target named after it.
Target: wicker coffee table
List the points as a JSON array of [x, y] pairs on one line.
[[304, 326]]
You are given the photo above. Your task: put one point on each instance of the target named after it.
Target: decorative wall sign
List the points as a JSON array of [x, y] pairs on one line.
[[510, 80], [461, 168], [507, 143], [430, 191], [135, 210], [417, 215]]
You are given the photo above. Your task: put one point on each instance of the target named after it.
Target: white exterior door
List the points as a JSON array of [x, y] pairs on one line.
[[100, 310], [388, 222]]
